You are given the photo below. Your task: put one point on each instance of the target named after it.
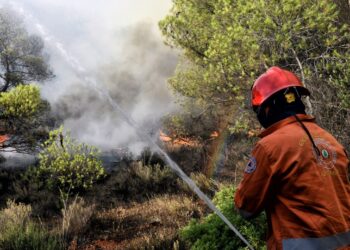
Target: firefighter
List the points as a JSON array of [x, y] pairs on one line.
[[297, 173]]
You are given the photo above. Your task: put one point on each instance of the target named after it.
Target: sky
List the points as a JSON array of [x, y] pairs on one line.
[[119, 46]]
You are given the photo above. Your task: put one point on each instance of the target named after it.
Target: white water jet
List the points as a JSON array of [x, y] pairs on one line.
[[82, 73]]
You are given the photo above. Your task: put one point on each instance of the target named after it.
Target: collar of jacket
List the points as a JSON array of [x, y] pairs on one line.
[[284, 122]]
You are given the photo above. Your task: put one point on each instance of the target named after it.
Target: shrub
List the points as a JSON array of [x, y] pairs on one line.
[[23, 185], [7, 176], [212, 233], [143, 180], [18, 232], [154, 174], [205, 184], [26, 117], [68, 165], [22, 101]]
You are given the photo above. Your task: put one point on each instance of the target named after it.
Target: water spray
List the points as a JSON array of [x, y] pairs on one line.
[[80, 71]]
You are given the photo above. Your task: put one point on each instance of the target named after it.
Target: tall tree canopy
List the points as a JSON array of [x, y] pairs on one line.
[[228, 43], [22, 58], [24, 116]]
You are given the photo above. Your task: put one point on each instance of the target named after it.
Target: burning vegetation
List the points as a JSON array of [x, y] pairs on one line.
[[69, 199]]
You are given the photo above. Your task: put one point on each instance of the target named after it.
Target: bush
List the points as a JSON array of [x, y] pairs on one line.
[[205, 184], [213, 233], [68, 165], [23, 185], [143, 180], [22, 101], [26, 117], [18, 232]]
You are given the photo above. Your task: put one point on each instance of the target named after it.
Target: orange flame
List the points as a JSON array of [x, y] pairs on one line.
[[3, 139], [177, 141]]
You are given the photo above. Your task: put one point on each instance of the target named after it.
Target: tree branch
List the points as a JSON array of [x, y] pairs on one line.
[[307, 100]]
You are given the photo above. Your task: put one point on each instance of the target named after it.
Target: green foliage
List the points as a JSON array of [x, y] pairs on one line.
[[22, 101], [18, 232], [22, 60], [22, 57], [212, 233], [227, 43], [68, 165], [25, 116], [24, 185], [240, 125]]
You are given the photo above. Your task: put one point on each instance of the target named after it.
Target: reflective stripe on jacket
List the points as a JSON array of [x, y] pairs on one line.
[[306, 196]]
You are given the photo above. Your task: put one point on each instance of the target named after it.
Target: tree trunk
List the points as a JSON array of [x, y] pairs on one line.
[[6, 85], [215, 148], [7, 77]]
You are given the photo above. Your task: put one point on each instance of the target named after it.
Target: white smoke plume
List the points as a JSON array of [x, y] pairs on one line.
[[137, 82], [125, 55]]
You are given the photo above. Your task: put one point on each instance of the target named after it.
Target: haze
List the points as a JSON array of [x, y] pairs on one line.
[[119, 44]]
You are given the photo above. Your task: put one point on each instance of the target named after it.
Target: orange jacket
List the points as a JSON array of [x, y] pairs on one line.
[[306, 197]]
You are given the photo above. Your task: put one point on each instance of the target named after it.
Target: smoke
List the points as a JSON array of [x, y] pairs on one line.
[[136, 80], [118, 45]]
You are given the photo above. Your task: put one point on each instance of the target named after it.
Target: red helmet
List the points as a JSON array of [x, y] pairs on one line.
[[272, 81]]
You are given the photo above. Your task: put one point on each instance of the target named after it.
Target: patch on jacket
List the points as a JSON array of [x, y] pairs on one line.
[[251, 165], [328, 156]]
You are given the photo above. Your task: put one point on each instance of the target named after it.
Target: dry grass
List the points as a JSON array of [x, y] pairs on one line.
[[76, 217], [14, 216], [18, 231], [205, 184], [145, 225], [139, 181], [153, 174]]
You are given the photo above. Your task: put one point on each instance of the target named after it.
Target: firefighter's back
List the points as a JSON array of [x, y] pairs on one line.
[[311, 190]]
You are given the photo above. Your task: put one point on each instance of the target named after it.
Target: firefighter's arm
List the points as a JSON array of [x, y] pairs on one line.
[[253, 191]]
